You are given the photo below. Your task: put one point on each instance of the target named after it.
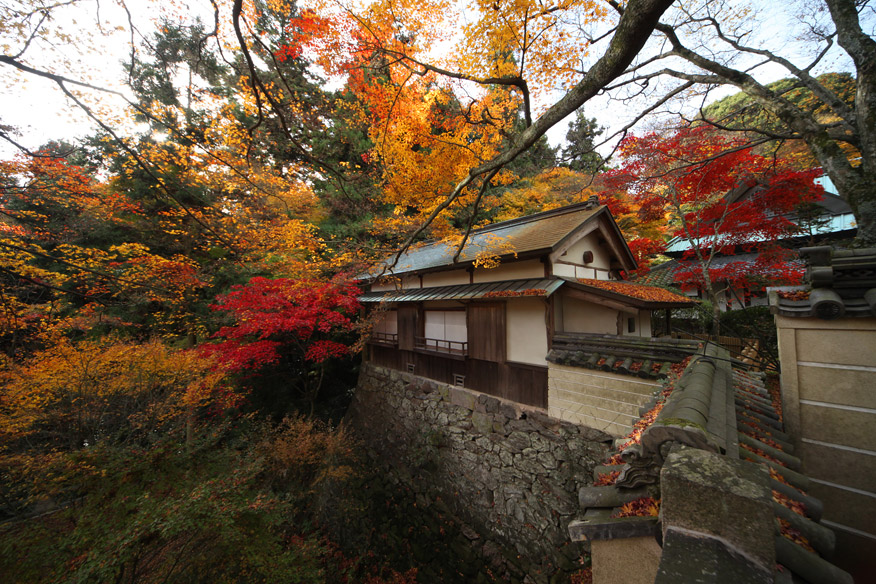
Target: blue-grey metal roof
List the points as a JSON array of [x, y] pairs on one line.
[[505, 289]]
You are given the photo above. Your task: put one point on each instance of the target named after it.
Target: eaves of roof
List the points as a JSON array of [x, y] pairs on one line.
[[499, 290], [634, 295]]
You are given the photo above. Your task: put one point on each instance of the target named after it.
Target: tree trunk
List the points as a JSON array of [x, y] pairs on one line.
[[857, 186], [712, 295]]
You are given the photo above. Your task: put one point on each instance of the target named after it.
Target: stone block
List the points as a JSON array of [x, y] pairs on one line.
[[625, 561], [484, 444], [855, 554], [482, 423], [509, 411], [841, 347], [462, 398], [848, 508], [705, 560], [718, 497], [531, 466], [838, 426], [517, 441], [840, 466], [848, 387], [547, 460]]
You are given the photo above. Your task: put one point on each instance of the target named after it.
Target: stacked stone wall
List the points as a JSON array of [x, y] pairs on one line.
[[510, 475]]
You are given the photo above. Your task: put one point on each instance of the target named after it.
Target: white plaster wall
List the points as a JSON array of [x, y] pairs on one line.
[[601, 254], [438, 304], [526, 331], [382, 286], [445, 325], [410, 282], [450, 278], [585, 317], [568, 271], [387, 323], [645, 323], [510, 271]]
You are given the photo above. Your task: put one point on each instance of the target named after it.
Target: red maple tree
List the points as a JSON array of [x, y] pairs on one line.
[[301, 320], [719, 198]]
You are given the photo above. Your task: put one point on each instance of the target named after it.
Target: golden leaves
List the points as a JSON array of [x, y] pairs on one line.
[[542, 42], [85, 391]]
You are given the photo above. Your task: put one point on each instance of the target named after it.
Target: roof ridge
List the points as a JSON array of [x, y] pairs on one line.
[[541, 215], [525, 219]]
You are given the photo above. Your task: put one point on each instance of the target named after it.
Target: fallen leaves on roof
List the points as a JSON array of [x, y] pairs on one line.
[[515, 293], [641, 507], [639, 291], [797, 295], [607, 479]]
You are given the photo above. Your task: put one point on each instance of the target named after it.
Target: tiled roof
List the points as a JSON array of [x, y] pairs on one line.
[[635, 356], [711, 407], [633, 295], [542, 231], [662, 275], [840, 283]]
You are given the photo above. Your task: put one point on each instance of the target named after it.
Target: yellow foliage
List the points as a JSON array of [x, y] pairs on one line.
[[531, 39], [551, 189], [76, 395], [304, 450]]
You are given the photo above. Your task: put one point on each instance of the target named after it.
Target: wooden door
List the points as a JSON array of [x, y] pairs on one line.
[[408, 326], [486, 332]]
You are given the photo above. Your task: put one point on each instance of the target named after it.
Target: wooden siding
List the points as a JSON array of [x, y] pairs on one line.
[[385, 356], [527, 384], [486, 332], [518, 382]]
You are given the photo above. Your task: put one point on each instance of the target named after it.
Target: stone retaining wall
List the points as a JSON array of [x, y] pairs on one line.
[[511, 475]]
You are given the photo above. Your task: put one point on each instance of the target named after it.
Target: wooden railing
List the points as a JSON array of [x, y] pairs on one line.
[[389, 339], [441, 345]]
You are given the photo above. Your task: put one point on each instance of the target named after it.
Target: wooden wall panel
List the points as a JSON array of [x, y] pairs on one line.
[[486, 332], [484, 376], [408, 326], [526, 384], [385, 356], [438, 367]]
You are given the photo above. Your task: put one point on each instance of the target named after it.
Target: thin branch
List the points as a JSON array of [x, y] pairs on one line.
[[484, 186]]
